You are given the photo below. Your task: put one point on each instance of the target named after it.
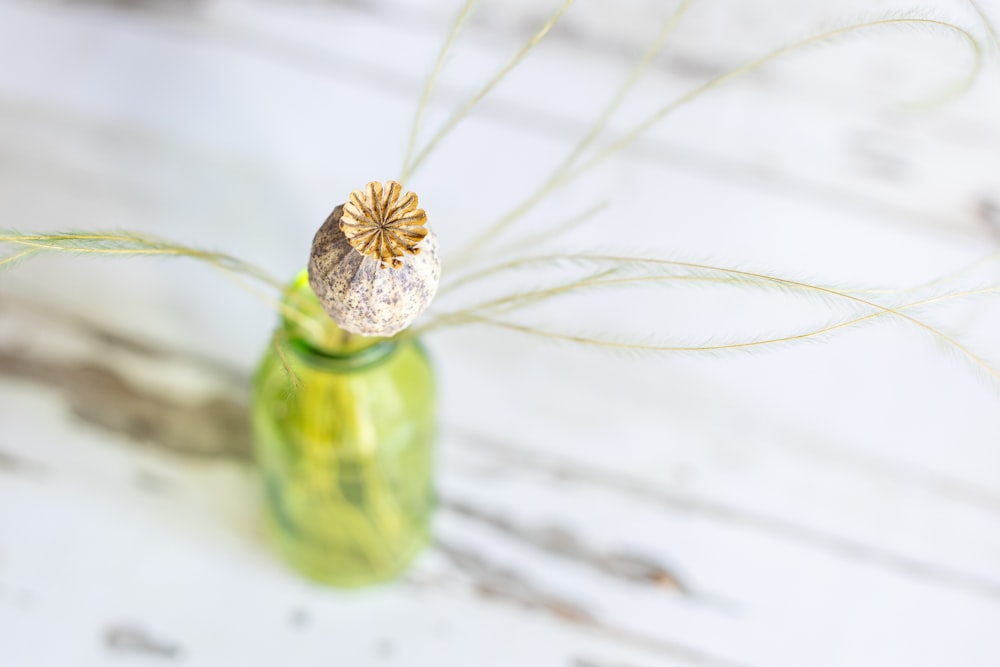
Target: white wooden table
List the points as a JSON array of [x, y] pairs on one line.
[[833, 503]]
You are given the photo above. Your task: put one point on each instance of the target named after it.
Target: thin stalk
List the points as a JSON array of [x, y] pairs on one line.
[[513, 301], [489, 271], [722, 79], [565, 174], [142, 246], [459, 114], [633, 77], [425, 96], [128, 245], [990, 28], [785, 282], [27, 252], [723, 347], [277, 341], [534, 240]]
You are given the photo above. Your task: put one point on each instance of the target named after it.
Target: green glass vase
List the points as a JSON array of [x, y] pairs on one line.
[[344, 429]]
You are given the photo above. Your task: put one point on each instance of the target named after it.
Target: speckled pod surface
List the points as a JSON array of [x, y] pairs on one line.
[[360, 294]]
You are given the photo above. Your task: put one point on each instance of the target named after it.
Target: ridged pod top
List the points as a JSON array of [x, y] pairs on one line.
[[380, 223]]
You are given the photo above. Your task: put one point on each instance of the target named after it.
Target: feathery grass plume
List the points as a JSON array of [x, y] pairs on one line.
[[463, 111], [825, 37], [425, 96], [14, 259], [715, 345], [642, 266], [572, 167], [622, 263], [124, 244], [990, 26], [586, 141], [131, 244], [685, 270], [278, 341], [950, 277]]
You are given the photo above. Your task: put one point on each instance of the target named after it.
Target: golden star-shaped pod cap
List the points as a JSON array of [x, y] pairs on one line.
[[380, 223]]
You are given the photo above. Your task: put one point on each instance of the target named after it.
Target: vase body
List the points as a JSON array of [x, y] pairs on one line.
[[344, 432]]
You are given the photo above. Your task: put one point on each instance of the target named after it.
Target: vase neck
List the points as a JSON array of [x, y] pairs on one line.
[[344, 361], [317, 340]]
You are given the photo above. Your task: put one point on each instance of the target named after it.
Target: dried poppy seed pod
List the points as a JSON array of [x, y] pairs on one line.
[[374, 265]]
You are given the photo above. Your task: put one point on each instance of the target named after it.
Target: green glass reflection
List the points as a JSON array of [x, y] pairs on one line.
[[344, 431]]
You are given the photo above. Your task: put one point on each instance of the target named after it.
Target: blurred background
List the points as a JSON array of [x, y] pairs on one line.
[[834, 502]]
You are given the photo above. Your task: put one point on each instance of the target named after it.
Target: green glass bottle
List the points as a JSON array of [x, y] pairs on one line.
[[344, 429]]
